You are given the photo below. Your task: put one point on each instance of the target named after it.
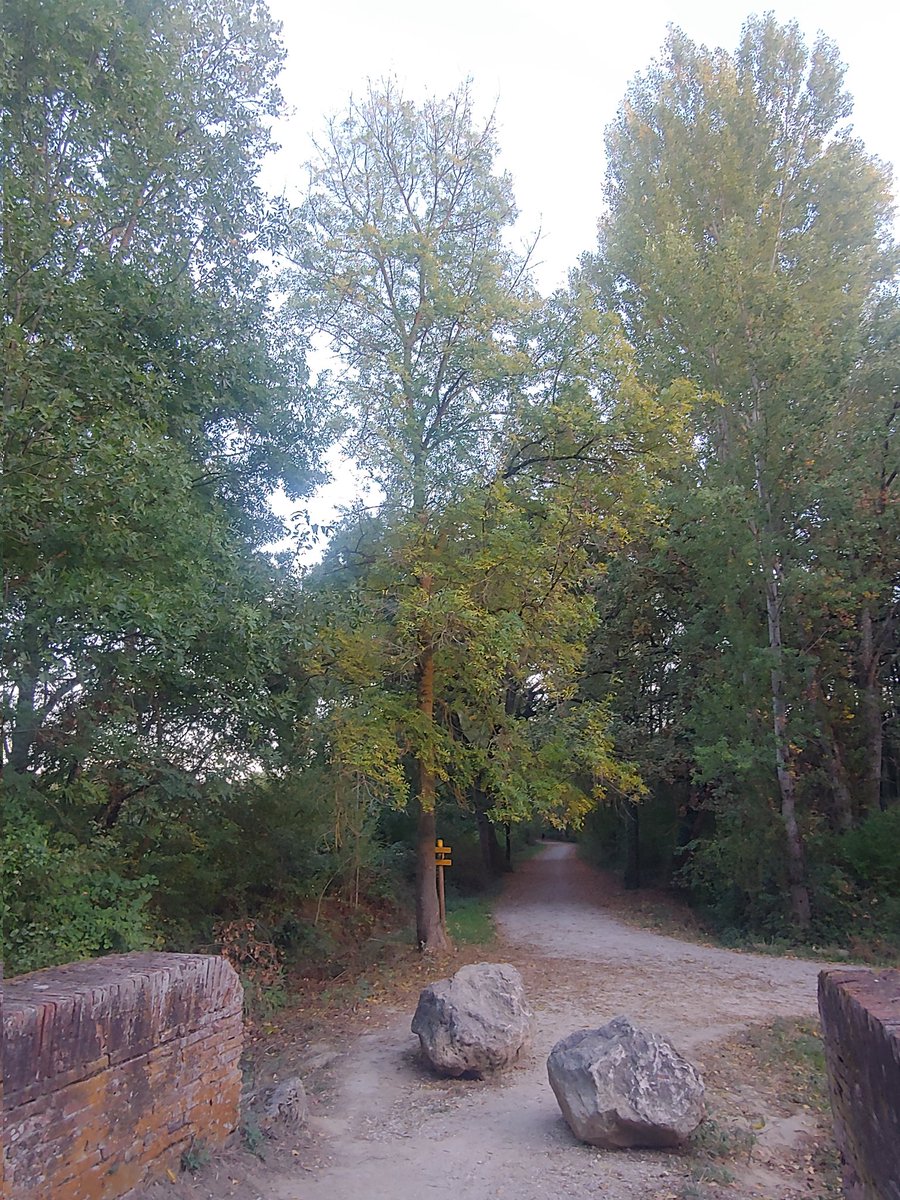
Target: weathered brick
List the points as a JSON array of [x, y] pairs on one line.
[[860, 1013], [3, 1132], [112, 1067]]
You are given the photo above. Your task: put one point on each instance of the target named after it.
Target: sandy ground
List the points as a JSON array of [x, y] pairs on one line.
[[388, 1129]]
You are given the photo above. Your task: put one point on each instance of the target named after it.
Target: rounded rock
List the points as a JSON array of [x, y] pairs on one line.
[[618, 1087], [476, 1023]]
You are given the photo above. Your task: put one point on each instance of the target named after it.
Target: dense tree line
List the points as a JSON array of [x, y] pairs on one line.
[[747, 246], [629, 552]]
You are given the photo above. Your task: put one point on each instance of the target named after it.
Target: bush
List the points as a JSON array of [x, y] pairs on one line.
[[604, 838], [871, 853], [61, 901], [856, 877]]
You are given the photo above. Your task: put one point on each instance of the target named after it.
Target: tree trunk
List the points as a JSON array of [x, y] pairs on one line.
[[26, 720], [844, 812], [784, 768], [430, 933], [843, 800], [870, 697], [491, 854], [632, 879]]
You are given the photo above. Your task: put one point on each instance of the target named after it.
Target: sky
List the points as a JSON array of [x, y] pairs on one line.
[[556, 74]]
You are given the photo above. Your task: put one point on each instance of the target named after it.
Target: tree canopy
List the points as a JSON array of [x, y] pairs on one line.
[[628, 554], [483, 416], [747, 246], [152, 400]]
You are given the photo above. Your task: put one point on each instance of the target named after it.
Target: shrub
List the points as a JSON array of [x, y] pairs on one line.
[[61, 901], [871, 853]]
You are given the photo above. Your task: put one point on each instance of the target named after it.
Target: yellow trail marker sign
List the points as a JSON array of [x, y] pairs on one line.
[[441, 860]]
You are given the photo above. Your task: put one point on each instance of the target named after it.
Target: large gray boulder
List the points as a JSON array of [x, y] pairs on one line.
[[619, 1086], [475, 1023]]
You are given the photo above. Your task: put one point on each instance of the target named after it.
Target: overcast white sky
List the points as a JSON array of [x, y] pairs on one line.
[[556, 73]]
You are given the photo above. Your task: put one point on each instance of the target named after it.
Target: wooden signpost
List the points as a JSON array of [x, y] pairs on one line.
[[442, 860]]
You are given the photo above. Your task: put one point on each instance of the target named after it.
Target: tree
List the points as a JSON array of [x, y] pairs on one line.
[[485, 420], [400, 261], [152, 400], [746, 237]]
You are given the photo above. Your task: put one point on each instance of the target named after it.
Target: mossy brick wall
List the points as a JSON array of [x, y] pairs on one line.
[[860, 1012], [113, 1067]]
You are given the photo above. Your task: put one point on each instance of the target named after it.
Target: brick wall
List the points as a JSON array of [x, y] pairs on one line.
[[4, 1191], [112, 1067], [860, 1012]]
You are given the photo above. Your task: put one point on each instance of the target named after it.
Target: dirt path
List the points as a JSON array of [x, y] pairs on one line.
[[396, 1132]]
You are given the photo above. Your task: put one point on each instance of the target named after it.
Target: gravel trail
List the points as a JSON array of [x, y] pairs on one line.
[[396, 1132]]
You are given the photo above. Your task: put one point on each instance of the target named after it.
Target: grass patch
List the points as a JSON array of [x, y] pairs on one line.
[[523, 851], [712, 1147], [469, 920], [792, 1051], [784, 1061], [713, 1141], [195, 1157], [711, 1172]]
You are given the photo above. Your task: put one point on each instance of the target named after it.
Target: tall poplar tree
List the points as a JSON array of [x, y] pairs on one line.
[[746, 236], [401, 261]]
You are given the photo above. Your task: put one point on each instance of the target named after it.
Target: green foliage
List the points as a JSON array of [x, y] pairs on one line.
[[196, 1157], [152, 400], [855, 875], [871, 853], [710, 1172], [60, 900], [253, 1137], [747, 635], [504, 434], [604, 837], [260, 848], [795, 1049], [632, 545], [712, 1140], [401, 262]]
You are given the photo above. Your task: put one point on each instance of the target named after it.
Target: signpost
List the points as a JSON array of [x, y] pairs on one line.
[[442, 860]]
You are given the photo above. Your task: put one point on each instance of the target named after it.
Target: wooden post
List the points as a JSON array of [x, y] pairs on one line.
[[441, 860], [442, 899]]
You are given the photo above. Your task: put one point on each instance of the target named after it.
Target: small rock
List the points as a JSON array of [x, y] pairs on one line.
[[286, 1103], [618, 1086], [475, 1023]]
